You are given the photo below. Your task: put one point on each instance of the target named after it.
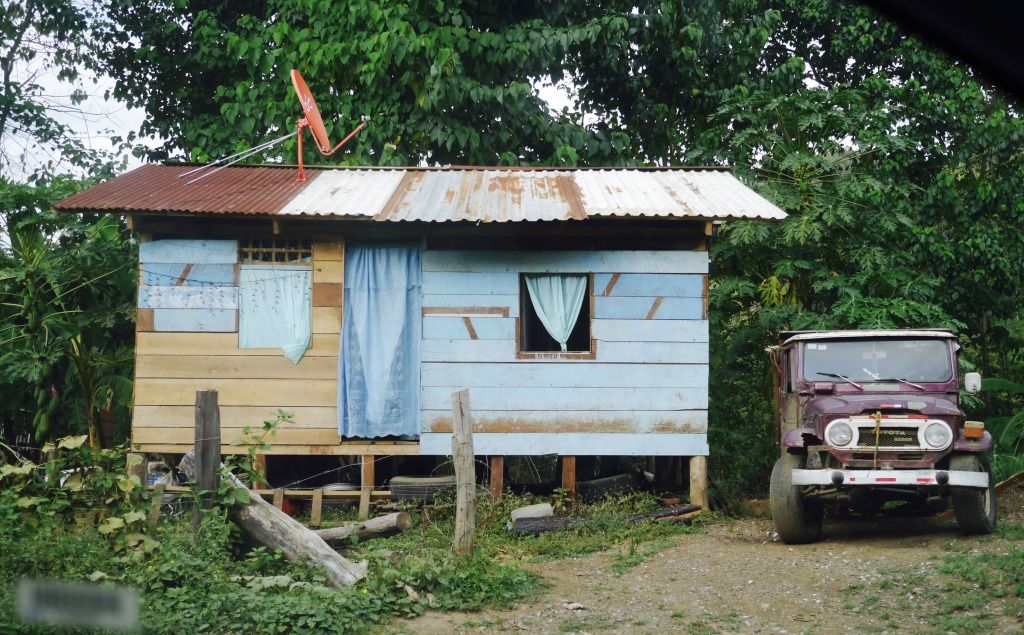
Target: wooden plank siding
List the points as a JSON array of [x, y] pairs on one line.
[[175, 359], [644, 391]]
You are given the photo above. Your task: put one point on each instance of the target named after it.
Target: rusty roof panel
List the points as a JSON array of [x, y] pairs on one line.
[[168, 188], [495, 195], [499, 195], [346, 193]]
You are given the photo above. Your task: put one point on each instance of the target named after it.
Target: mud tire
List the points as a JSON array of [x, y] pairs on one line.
[[797, 521], [975, 509], [424, 488]]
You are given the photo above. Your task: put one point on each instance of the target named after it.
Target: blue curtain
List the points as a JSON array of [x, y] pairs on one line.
[[274, 308], [557, 299], [379, 361]]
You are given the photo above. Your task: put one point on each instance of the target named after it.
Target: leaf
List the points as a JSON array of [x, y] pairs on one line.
[[242, 496], [28, 501], [110, 525], [127, 484], [74, 481], [97, 576], [70, 443], [134, 517], [17, 470]]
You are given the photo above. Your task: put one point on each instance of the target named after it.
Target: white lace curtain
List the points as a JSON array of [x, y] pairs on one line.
[[274, 308], [378, 391]]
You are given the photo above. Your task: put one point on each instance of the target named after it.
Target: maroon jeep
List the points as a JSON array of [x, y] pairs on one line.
[[869, 417]]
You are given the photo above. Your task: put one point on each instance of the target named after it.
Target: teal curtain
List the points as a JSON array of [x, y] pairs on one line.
[[557, 299], [274, 308]]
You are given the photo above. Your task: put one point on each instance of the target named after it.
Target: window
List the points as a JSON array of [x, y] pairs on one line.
[[274, 250], [275, 295], [555, 311]]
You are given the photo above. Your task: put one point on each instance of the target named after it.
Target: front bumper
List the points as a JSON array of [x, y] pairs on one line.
[[875, 478]]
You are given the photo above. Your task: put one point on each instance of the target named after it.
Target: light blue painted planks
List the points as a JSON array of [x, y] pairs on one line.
[[641, 308], [650, 285], [563, 375], [465, 350], [470, 283], [612, 421], [556, 399], [453, 299], [169, 275], [653, 352], [650, 330], [567, 261], [195, 320], [484, 327], [570, 444], [194, 251], [188, 298]]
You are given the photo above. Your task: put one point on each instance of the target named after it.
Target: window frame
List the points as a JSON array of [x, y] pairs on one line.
[[248, 247], [526, 304]]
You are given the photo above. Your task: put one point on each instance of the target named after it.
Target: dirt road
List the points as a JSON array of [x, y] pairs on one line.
[[739, 578]]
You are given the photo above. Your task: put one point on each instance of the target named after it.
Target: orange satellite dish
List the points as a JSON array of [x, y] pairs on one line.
[[314, 122]]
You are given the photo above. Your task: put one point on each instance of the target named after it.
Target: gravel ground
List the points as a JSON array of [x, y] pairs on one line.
[[736, 578]]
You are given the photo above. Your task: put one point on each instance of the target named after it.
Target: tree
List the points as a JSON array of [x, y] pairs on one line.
[[44, 40], [66, 287], [441, 83]]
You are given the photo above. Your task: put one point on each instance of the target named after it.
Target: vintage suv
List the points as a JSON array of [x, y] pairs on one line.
[[868, 417]]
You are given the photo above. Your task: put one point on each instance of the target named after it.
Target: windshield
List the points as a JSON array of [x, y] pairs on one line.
[[887, 360]]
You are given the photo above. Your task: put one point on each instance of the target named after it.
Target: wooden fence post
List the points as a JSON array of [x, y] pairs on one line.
[[367, 478], [699, 481], [207, 451], [497, 476], [465, 472]]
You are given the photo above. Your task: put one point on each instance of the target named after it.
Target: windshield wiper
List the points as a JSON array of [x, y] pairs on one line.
[[844, 378], [902, 381]]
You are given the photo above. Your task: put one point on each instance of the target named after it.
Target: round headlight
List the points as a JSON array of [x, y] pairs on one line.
[[839, 434], [938, 435]]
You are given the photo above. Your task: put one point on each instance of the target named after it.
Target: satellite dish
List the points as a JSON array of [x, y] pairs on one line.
[[311, 120], [314, 122]]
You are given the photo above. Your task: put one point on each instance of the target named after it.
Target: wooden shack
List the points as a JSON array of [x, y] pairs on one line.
[[571, 303]]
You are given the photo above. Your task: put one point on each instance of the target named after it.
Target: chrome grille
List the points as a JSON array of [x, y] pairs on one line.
[[888, 438]]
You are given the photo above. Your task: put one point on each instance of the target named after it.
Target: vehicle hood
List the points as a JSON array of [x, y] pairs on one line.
[[857, 404]]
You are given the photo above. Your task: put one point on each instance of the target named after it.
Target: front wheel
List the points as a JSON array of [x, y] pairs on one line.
[[975, 508], [797, 520]]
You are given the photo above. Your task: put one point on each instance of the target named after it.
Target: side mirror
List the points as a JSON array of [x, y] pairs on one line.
[[972, 383]]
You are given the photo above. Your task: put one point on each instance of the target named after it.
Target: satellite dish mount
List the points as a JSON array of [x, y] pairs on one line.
[[314, 122]]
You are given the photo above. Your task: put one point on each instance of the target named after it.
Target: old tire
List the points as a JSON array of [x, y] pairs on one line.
[[797, 521], [975, 509], [596, 489], [405, 488]]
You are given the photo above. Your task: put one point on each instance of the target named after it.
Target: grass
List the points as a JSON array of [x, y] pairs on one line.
[[213, 583], [970, 589]]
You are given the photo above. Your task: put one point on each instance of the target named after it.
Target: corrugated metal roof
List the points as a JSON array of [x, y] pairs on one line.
[[498, 195], [167, 188], [346, 193], [431, 194]]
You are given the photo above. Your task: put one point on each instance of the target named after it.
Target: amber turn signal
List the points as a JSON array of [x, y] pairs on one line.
[[974, 429]]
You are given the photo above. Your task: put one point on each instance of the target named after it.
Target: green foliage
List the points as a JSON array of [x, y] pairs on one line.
[[966, 593], [79, 484], [66, 303]]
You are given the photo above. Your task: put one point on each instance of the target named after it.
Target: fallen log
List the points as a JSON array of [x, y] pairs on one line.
[[269, 526], [379, 527], [535, 526]]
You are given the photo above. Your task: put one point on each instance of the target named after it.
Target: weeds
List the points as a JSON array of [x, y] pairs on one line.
[[968, 591]]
